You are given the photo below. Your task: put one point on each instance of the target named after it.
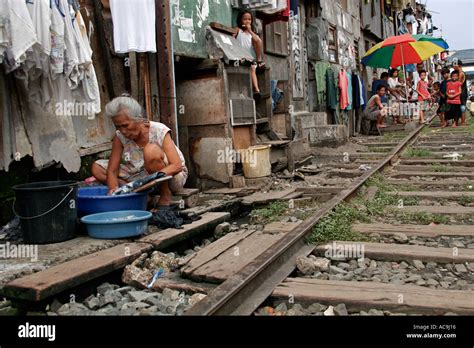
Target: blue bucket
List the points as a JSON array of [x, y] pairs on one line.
[[94, 199], [117, 224]]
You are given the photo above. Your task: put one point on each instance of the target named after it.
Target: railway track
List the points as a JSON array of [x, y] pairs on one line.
[[417, 247], [402, 204]]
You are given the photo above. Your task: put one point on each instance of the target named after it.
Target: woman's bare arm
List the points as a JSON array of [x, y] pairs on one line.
[[113, 167]]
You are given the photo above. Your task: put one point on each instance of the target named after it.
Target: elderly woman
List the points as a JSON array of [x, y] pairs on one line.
[[140, 147]]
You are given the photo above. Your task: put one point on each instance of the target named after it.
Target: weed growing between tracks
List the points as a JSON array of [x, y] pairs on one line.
[[411, 152], [273, 212], [422, 218], [439, 168], [338, 224]]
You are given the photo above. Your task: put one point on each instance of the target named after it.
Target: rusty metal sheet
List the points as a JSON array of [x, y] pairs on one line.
[[224, 46], [209, 156], [201, 102]]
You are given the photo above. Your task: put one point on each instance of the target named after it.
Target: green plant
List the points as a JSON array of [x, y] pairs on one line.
[[273, 212], [421, 218], [440, 168], [338, 225], [465, 200], [411, 152]]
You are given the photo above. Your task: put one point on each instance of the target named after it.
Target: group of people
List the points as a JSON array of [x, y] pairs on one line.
[[450, 94]]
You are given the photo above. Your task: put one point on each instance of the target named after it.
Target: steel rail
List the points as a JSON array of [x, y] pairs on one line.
[[244, 291]]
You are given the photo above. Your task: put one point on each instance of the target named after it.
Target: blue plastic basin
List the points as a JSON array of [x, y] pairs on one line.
[[117, 224], [94, 199]]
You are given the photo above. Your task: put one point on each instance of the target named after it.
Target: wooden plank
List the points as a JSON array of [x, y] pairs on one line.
[[280, 226], [226, 191], [345, 173], [382, 144], [174, 281], [441, 154], [430, 161], [462, 146], [416, 230], [366, 295], [431, 169], [164, 238], [405, 252], [407, 174], [443, 210], [310, 190], [267, 197], [43, 284], [214, 250], [445, 183], [432, 194], [95, 149], [234, 259]]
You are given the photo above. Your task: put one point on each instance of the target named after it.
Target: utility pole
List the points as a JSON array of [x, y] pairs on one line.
[[165, 64]]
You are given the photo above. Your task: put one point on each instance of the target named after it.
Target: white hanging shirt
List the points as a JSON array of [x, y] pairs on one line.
[[134, 25]]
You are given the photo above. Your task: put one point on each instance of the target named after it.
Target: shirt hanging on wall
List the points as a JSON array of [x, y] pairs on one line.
[[134, 25]]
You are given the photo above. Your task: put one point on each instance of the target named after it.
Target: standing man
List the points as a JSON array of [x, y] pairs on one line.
[[464, 92], [443, 97]]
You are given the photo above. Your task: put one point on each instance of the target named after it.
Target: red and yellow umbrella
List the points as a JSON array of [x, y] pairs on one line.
[[403, 49]]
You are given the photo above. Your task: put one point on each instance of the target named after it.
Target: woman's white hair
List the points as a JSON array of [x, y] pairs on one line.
[[135, 110]]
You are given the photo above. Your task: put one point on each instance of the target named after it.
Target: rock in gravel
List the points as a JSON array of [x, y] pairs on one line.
[[400, 237], [139, 296], [460, 268], [444, 285], [418, 264], [413, 278], [309, 265], [457, 244], [195, 298], [221, 230], [340, 309], [92, 302], [375, 312], [73, 308], [55, 305], [329, 312], [154, 300], [169, 294], [297, 309], [432, 282], [431, 265], [305, 265], [103, 288], [316, 308], [281, 308], [337, 270], [373, 264], [470, 266]]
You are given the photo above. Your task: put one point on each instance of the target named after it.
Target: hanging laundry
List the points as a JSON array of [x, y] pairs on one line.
[[320, 69], [331, 89], [349, 91], [343, 89], [134, 25], [17, 33], [356, 91]]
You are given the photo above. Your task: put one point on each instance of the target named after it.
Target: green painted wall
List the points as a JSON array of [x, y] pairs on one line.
[[189, 21]]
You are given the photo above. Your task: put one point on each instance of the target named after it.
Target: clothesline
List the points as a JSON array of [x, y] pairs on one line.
[[45, 43]]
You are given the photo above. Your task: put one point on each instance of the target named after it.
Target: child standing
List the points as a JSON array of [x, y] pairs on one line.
[[454, 90], [423, 94], [252, 42]]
